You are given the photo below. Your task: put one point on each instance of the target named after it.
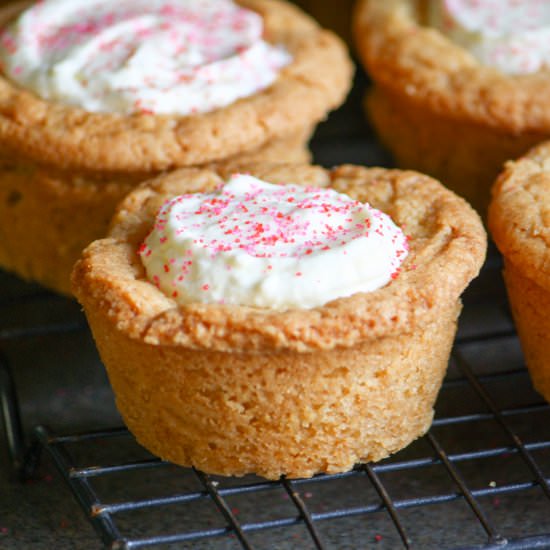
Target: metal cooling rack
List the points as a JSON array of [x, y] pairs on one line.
[[481, 476]]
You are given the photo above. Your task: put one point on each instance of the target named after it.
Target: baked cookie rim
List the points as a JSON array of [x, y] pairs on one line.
[[436, 272], [41, 130]]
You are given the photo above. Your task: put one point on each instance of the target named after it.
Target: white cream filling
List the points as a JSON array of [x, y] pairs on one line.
[[271, 246], [154, 56], [512, 36]]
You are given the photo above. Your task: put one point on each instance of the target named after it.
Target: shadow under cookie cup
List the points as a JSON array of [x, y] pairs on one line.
[[440, 111], [64, 169], [520, 225], [235, 390]]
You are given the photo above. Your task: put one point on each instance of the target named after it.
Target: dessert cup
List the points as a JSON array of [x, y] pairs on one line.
[[234, 390], [49, 215], [63, 169], [437, 108], [519, 220]]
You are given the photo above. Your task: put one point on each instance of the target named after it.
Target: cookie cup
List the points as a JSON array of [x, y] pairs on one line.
[[234, 390], [439, 110], [63, 169], [519, 220], [49, 215]]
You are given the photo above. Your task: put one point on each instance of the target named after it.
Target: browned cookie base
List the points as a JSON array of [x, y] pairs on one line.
[[531, 309], [464, 155], [277, 413]]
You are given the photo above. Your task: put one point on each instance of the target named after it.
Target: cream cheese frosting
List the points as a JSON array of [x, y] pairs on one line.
[[512, 36], [257, 244], [154, 56]]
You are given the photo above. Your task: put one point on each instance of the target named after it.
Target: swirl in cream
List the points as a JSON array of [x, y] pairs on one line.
[[257, 244], [176, 57], [512, 36]]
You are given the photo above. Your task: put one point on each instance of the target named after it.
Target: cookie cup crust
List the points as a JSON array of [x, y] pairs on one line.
[[49, 215], [432, 97], [519, 220], [316, 81], [235, 390]]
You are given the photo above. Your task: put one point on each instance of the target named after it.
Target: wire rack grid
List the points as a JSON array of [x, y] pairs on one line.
[[479, 479]]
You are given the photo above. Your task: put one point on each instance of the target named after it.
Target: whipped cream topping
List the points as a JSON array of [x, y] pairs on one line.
[[257, 244], [510, 35], [153, 56]]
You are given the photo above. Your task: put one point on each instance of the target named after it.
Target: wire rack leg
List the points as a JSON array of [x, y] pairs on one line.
[[11, 417], [24, 461]]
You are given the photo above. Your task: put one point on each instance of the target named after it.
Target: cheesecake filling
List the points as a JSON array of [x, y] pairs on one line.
[[253, 243], [177, 57], [512, 36]]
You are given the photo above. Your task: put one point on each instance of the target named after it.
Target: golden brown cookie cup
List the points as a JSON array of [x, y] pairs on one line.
[[440, 111], [48, 215], [235, 390], [519, 219], [62, 169]]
